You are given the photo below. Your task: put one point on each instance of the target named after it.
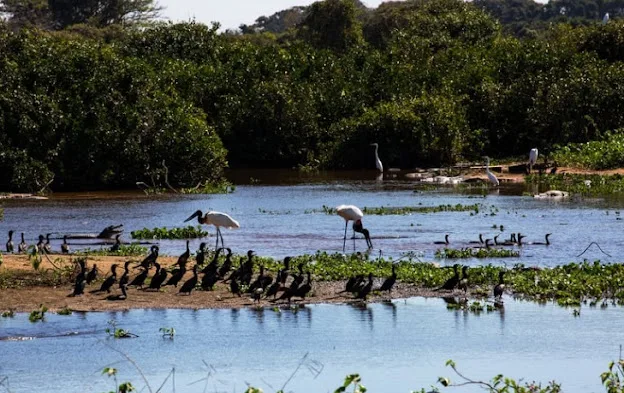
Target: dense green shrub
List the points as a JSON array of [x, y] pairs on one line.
[[604, 154]]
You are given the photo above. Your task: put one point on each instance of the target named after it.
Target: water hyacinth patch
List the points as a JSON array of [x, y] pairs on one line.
[[189, 232], [403, 210]]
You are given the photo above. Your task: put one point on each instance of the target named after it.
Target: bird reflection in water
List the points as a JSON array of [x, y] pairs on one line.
[[365, 312]]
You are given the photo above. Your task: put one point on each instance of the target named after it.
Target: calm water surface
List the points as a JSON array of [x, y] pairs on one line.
[[283, 219], [396, 347]]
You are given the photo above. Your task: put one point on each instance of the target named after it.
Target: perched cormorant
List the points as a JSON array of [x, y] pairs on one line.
[[452, 282], [463, 283], [117, 244], [227, 264], [389, 282], [500, 287], [9, 244], [47, 246], [159, 277], [189, 285], [80, 282], [366, 289], [22, 247], [91, 276], [108, 283], [65, 246]]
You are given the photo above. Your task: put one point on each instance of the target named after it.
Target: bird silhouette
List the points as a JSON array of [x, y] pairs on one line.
[[217, 219]]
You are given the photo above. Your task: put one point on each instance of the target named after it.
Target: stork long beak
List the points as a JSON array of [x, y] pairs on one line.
[[196, 214]]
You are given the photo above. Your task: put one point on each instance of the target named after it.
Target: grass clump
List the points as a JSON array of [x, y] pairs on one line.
[[115, 332], [189, 232], [65, 311]]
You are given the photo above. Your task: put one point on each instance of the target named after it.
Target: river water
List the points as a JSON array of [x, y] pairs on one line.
[[395, 347]]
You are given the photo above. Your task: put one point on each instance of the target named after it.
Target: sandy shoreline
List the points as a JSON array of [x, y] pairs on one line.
[[29, 297]]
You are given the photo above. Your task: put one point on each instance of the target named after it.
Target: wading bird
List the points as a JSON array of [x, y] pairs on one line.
[[353, 213], [532, 158], [489, 174], [605, 18], [378, 163], [217, 219]]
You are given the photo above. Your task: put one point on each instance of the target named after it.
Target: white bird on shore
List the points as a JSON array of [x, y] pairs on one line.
[[353, 213], [217, 219], [532, 158], [489, 174], [378, 163], [605, 19]]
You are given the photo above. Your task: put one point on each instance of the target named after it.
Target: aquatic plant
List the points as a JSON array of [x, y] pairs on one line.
[[452, 253], [404, 210], [119, 388], [64, 311], [189, 232], [129, 250], [38, 315], [167, 332], [1, 213], [7, 314], [116, 332]]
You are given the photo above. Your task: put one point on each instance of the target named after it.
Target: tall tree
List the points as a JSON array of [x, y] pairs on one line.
[[59, 14], [332, 24]]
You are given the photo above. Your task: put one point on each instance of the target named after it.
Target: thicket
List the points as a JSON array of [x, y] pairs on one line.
[[435, 84]]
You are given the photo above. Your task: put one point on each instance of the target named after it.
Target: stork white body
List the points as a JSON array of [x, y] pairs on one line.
[[491, 177], [217, 219], [378, 163], [349, 213], [605, 19]]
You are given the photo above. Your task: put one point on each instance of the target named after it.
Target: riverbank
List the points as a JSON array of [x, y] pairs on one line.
[[24, 296]]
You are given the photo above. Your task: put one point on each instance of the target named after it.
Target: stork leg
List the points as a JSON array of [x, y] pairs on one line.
[[344, 242], [221, 236], [217, 236]]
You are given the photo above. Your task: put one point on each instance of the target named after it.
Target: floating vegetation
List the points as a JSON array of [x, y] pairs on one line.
[[274, 212], [130, 250], [404, 210], [116, 332], [64, 311], [189, 232], [38, 315], [168, 332], [580, 184], [7, 314], [1, 213], [453, 253]]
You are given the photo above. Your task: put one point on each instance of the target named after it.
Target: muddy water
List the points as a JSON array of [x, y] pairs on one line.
[[279, 215], [395, 347]]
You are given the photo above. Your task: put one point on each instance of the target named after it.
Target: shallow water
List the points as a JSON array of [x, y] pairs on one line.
[[395, 347], [276, 219]]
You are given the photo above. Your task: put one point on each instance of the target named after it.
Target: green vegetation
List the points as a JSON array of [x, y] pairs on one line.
[[168, 332], [403, 210], [130, 250], [107, 104], [452, 253], [607, 153], [65, 311], [7, 314], [1, 213], [116, 332], [189, 232], [580, 184], [38, 315]]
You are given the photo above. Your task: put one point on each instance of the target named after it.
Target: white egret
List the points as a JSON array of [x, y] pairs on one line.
[[353, 213], [217, 219], [605, 19], [378, 163], [489, 174], [532, 158]]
